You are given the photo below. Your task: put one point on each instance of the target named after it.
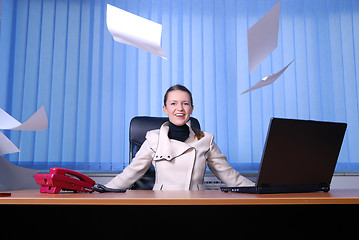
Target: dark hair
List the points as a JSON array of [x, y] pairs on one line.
[[198, 133], [177, 87]]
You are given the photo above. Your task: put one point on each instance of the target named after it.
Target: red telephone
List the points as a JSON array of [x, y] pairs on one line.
[[63, 179]]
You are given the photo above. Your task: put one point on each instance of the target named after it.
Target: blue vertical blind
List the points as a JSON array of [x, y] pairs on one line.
[[60, 53]]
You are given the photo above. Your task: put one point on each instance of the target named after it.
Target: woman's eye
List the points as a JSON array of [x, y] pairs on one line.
[[173, 104]]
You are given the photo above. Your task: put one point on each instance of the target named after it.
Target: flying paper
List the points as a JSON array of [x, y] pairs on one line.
[[133, 30], [6, 146], [262, 37], [37, 122], [268, 80], [13, 177]]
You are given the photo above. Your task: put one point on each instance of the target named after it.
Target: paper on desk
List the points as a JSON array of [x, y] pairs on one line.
[[262, 37], [133, 30], [268, 80], [37, 122]]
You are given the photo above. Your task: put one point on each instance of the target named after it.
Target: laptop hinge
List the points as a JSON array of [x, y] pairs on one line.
[[325, 187], [266, 188]]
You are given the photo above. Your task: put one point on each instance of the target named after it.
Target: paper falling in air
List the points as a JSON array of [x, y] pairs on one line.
[[262, 37], [37, 122], [133, 30], [6, 146], [13, 177], [267, 80]]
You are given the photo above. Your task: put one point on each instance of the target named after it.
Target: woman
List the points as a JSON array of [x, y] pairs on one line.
[[179, 154]]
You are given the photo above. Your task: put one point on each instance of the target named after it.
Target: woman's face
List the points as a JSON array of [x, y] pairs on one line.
[[178, 107]]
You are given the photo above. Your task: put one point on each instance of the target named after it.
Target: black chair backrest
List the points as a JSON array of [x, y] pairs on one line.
[[139, 126]]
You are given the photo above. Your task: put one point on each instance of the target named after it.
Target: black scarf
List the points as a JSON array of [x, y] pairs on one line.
[[180, 133]]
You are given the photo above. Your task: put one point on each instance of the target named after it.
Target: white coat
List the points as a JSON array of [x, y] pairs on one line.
[[178, 165]]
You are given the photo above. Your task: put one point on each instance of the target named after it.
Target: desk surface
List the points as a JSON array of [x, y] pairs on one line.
[[139, 197]]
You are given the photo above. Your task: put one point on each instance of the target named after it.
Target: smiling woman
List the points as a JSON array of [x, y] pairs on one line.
[[179, 156], [60, 53], [178, 105], [183, 112]]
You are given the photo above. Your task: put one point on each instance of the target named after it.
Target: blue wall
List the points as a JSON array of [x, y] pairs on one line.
[[60, 53]]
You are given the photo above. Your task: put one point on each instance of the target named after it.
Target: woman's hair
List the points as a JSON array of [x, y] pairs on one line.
[[177, 87], [198, 133]]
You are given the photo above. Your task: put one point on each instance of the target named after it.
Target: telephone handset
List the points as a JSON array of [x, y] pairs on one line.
[[63, 179], [71, 173]]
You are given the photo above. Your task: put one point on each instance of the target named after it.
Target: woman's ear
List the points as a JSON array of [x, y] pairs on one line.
[[165, 109]]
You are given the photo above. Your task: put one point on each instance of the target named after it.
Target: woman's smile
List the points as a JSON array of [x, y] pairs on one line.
[[178, 107]]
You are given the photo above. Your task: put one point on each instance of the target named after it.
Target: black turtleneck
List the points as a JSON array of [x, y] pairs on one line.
[[180, 133]]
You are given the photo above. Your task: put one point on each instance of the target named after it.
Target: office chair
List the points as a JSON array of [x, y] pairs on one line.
[[139, 126]]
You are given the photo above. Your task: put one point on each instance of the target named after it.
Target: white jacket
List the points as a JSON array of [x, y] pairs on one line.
[[178, 165]]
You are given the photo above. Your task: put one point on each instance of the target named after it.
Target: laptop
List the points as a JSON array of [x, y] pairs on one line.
[[298, 156]]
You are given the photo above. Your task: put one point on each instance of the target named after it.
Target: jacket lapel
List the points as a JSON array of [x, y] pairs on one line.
[[167, 148]]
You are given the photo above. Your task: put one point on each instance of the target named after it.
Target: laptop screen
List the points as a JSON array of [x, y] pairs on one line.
[[300, 152]]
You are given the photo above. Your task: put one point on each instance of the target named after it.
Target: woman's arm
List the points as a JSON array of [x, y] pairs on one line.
[[137, 168], [219, 166]]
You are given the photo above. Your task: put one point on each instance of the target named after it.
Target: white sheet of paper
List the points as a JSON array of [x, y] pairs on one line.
[[267, 80], [37, 122], [7, 121], [133, 30], [262, 37], [13, 177], [6, 146]]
